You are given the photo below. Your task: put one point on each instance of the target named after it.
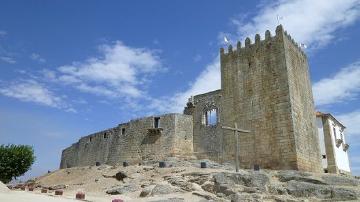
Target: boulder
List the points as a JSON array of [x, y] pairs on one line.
[[123, 189]]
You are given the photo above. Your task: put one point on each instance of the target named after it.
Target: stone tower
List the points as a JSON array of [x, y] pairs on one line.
[[266, 89]]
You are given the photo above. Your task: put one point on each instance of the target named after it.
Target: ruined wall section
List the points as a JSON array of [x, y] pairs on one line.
[[69, 156], [183, 141], [302, 107], [135, 141], [90, 149], [207, 138]]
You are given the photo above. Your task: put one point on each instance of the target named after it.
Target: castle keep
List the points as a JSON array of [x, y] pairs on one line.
[[265, 88]]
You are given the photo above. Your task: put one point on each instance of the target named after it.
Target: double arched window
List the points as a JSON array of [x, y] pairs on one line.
[[210, 117]]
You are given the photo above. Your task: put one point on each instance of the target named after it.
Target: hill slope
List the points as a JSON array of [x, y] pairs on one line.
[[186, 181]]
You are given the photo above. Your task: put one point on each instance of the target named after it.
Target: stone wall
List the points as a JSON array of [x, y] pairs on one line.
[[135, 141], [266, 89], [207, 138], [302, 108]]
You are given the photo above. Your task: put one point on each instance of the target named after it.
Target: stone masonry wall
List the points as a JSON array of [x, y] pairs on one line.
[[302, 108], [260, 94], [133, 142], [207, 138]]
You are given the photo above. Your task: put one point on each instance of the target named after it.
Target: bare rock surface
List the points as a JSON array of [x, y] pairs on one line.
[[162, 189], [184, 180], [305, 189], [123, 189], [340, 180], [285, 176]]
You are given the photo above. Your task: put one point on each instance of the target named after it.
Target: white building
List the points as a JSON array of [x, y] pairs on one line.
[[333, 145]]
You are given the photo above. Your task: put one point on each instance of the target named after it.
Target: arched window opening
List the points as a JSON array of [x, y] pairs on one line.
[[210, 117]]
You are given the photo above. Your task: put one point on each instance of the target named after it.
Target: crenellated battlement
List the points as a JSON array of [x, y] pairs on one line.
[[280, 35]]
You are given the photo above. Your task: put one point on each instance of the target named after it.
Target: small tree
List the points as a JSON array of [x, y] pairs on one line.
[[15, 160]]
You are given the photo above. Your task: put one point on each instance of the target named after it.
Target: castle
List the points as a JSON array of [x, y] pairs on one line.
[[265, 88]]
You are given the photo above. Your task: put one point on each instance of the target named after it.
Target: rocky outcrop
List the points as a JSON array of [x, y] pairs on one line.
[[123, 189], [286, 176], [256, 180], [305, 189], [340, 180], [186, 181], [275, 186], [162, 189]]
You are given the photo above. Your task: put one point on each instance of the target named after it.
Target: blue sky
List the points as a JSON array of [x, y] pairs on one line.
[[70, 68]]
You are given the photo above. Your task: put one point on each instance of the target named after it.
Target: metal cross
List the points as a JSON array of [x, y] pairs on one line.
[[237, 132]]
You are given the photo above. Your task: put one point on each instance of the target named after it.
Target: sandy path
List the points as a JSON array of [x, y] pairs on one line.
[[21, 196], [18, 196]]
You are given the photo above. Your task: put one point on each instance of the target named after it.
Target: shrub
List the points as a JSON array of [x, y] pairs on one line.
[[15, 160]]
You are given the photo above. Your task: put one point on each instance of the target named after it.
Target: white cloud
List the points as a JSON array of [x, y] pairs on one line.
[[308, 21], [32, 91], [37, 57], [208, 80], [351, 120], [8, 59], [120, 71], [344, 85]]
